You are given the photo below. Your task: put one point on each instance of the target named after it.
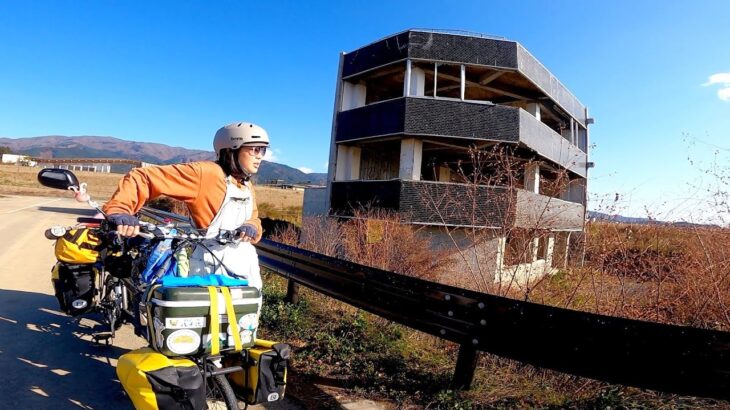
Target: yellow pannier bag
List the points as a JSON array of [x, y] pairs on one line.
[[156, 382], [78, 246], [263, 379]]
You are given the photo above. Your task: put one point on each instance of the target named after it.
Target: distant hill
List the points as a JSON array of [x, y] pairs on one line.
[[600, 216], [56, 146]]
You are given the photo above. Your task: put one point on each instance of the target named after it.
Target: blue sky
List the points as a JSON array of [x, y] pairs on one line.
[[173, 72]]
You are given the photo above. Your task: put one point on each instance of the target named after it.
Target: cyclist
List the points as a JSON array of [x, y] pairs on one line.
[[219, 196]]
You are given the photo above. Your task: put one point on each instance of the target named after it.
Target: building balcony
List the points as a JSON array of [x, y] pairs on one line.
[[457, 205], [426, 117], [475, 50]]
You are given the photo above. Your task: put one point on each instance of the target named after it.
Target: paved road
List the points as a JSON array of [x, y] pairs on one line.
[[47, 360]]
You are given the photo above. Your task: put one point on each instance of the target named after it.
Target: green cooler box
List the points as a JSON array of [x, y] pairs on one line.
[[179, 319]]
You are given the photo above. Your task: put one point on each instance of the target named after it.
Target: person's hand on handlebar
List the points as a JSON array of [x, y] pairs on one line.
[[127, 225], [248, 232]]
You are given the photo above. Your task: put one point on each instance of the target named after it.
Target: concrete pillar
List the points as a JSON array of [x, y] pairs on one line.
[[567, 133], [463, 82], [549, 247], [501, 245], [336, 108], [353, 96], [417, 83], [532, 177], [435, 78], [534, 109], [407, 79], [411, 153], [348, 163], [534, 248]]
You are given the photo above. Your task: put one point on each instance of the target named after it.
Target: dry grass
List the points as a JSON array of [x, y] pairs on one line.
[[279, 198], [19, 180], [651, 272]]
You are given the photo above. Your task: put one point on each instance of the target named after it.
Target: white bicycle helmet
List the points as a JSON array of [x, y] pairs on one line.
[[230, 138], [238, 134]]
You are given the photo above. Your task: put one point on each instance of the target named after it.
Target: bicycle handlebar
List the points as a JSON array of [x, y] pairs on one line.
[[151, 230]]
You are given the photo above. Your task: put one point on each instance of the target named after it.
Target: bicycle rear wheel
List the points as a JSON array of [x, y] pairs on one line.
[[219, 394]]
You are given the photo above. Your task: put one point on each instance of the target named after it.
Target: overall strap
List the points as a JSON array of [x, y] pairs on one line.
[[232, 322], [215, 343]]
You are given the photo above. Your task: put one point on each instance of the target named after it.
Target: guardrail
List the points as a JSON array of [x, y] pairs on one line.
[[668, 358]]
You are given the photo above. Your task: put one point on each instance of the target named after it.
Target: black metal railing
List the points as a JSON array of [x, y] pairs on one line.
[[668, 358]]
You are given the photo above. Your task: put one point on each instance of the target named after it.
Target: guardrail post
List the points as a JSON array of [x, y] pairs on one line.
[[292, 292], [466, 364]]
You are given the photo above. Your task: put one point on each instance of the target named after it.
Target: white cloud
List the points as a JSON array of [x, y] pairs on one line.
[[326, 164], [722, 79], [272, 155], [724, 93], [306, 170], [719, 78]]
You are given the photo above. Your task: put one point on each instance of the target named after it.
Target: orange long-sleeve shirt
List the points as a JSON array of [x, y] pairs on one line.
[[200, 185]]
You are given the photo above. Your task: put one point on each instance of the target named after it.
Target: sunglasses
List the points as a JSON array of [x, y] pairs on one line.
[[257, 150]]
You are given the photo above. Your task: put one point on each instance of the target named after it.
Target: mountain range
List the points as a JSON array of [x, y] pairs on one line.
[[56, 146], [600, 216]]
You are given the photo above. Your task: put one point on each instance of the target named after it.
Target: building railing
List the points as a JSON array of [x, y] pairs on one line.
[[457, 205]]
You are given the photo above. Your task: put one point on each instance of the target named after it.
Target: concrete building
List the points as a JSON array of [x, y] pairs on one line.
[[415, 114], [106, 165], [17, 159]]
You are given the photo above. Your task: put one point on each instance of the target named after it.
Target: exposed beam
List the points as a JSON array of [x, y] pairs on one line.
[[378, 74], [449, 88], [485, 87], [486, 79], [459, 147]]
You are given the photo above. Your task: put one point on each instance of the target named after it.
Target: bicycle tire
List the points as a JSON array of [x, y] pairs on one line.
[[219, 394]]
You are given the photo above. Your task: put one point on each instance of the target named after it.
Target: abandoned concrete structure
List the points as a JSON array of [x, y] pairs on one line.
[[415, 114]]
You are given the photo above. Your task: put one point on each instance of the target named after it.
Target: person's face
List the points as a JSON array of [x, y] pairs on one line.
[[250, 158]]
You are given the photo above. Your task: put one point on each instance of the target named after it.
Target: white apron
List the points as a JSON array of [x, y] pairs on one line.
[[240, 258]]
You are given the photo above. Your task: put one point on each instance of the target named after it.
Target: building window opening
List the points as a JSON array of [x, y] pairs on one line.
[[518, 248], [380, 161], [448, 81], [440, 165], [477, 84], [582, 139], [553, 183], [382, 84]]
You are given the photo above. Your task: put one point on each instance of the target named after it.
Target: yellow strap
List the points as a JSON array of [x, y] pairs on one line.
[[215, 343], [232, 323]]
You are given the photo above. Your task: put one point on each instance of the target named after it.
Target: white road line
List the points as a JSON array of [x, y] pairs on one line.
[[31, 206]]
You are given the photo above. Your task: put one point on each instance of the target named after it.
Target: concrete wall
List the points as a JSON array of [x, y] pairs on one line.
[[315, 202], [549, 144], [543, 212]]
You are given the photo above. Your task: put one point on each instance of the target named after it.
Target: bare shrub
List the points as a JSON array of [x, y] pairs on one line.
[[373, 238], [380, 239], [655, 272]]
